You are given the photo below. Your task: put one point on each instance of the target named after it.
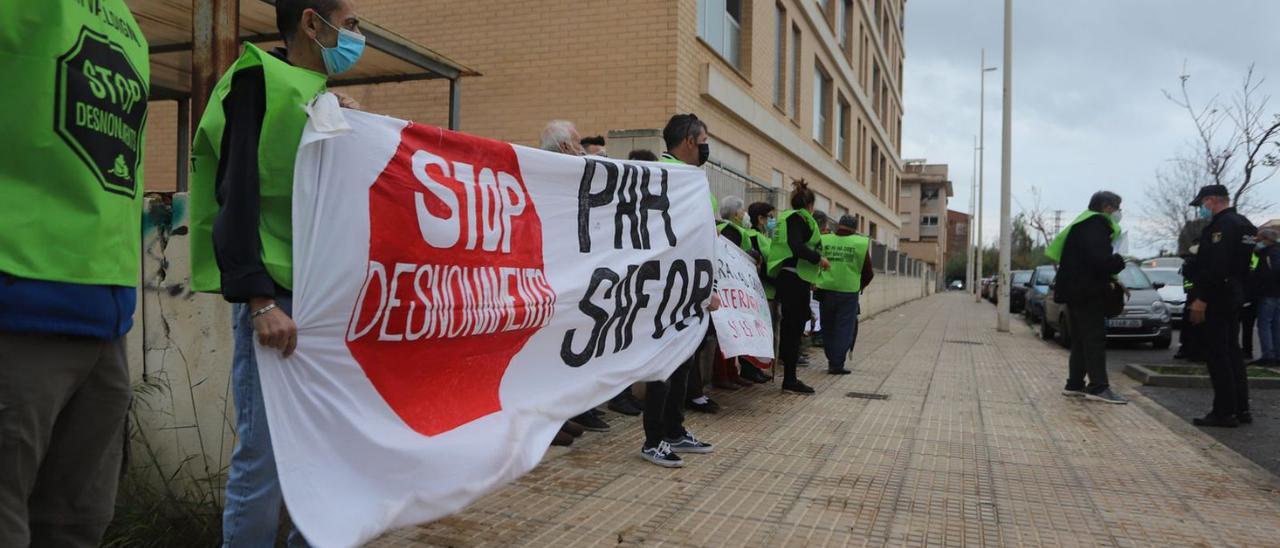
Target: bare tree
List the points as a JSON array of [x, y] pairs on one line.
[[1037, 217], [1165, 209], [1235, 141]]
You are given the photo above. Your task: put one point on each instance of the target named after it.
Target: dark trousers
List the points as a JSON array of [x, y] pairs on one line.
[[63, 406], [1248, 318], [1226, 365], [664, 404], [794, 295], [839, 326], [1088, 323], [695, 383]]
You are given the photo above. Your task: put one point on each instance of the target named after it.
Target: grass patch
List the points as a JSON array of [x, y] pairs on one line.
[[1201, 371]]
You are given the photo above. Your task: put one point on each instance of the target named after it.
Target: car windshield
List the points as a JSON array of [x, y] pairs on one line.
[[1170, 278], [1021, 277], [1133, 278], [1044, 276]]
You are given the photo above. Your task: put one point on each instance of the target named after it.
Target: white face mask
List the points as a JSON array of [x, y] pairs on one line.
[[1116, 216]]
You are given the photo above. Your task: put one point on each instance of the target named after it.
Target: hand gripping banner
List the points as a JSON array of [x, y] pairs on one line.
[[457, 299]]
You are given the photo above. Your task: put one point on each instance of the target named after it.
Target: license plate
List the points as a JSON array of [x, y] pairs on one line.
[[1124, 324]]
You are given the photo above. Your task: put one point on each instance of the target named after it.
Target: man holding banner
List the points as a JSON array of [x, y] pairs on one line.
[[242, 181], [850, 273]]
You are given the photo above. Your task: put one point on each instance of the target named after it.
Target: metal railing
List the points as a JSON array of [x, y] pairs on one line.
[[726, 181]]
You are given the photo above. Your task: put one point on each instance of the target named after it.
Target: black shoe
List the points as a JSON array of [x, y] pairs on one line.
[[1244, 418], [710, 407], [572, 429], [1215, 420], [838, 372], [796, 386], [625, 404], [562, 439], [1262, 362], [590, 422], [661, 455], [754, 374], [1106, 396]]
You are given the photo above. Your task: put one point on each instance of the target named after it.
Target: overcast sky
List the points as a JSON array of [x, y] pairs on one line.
[[1088, 111]]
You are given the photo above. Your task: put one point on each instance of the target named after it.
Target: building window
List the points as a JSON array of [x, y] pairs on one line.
[[821, 105], [842, 23], [720, 25], [875, 170], [928, 220], [780, 73], [842, 132], [930, 194], [875, 88], [795, 72]]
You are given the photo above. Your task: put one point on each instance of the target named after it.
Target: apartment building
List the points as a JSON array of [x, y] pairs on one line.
[[957, 236], [923, 208], [790, 89]]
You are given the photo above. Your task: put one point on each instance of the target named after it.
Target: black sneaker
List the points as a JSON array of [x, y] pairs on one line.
[[1244, 418], [754, 374], [838, 372], [589, 421], [625, 404], [797, 387], [1073, 393], [661, 455], [1262, 362], [1106, 396], [1216, 421], [688, 444], [710, 406]]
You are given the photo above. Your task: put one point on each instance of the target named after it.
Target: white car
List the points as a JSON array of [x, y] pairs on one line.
[[1172, 293]]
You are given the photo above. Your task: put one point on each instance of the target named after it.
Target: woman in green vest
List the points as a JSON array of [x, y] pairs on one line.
[[794, 261], [242, 230], [850, 273], [731, 226]]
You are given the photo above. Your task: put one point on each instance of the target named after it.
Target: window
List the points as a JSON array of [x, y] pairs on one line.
[[720, 25], [928, 220], [842, 132], [821, 105], [842, 23], [795, 72], [780, 72], [875, 87], [875, 170], [873, 232], [930, 194]]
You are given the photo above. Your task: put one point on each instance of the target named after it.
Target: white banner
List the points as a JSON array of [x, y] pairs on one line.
[[457, 300], [743, 325]]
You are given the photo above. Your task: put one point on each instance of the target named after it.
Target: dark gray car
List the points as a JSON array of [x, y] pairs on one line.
[[1145, 319]]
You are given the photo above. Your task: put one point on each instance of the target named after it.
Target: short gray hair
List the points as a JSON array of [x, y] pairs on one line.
[[731, 207], [555, 133], [1269, 233]]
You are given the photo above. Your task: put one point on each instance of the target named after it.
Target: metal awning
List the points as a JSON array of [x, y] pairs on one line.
[[168, 26]]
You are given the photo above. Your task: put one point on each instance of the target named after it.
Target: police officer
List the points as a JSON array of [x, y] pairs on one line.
[[1219, 275]]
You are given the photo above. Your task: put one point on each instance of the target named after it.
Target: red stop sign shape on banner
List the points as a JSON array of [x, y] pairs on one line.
[[455, 284]]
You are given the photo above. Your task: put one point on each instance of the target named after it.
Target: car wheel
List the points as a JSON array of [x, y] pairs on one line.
[[1046, 331], [1066, 331], [1162, 343]]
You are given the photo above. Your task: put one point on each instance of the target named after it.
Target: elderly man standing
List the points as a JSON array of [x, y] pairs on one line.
[[850, 272], [1086, 278]]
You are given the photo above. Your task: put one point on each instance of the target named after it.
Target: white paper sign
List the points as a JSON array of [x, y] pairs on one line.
[[743, 326]]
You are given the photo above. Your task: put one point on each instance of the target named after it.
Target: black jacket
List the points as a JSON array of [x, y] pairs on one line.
[[1087, 262], [1222, 262], [1265, 282]]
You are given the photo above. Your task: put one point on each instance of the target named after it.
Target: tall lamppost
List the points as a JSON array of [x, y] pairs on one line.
[[1006, 173], [982, 115]]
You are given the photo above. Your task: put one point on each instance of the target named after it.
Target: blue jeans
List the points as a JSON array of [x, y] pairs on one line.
[[1269, 326], [839, 326], [251, 516]]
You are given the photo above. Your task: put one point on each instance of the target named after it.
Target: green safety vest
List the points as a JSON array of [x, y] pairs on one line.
[[779, 251], [746, 236], [76, 83], [763, 244], [288, 90], [1054, 251], [669, 159], [847, 255]]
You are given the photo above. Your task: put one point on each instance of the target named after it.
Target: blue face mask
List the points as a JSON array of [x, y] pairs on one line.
[[771, 225], [1205, 212], [342, 57]]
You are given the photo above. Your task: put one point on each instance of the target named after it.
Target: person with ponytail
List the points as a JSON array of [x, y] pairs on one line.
[[794, 263]]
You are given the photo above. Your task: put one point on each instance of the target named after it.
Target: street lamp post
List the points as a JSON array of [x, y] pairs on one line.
[[970, 281], [1006, 172], [982, 115]]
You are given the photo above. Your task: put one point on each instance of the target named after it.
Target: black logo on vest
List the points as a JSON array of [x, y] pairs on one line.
[[101, 110]]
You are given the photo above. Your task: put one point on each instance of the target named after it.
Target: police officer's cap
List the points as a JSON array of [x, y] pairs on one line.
[[1210, 190]]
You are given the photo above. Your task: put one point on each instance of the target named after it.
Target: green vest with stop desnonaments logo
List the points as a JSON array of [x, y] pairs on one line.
[[1054, 251], [847, 254], [780, 250], [288, 90], [76, 85]]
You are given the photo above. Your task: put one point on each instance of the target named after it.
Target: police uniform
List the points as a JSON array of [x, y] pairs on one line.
[[1220, 272]]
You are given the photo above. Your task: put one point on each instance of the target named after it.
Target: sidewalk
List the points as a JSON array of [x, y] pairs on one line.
[[974, 446]]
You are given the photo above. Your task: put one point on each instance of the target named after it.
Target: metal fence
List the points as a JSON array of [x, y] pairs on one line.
[[726, 181]]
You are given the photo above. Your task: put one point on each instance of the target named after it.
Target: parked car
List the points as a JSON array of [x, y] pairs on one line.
[[1037, 287], [956, 285], [1146, 318], [1162, 262], [1018, 290], [989, 288], [1172, 293]]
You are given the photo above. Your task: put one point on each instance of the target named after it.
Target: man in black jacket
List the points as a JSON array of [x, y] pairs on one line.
[[1086, 279], [1221, 272], [1266, 295]]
